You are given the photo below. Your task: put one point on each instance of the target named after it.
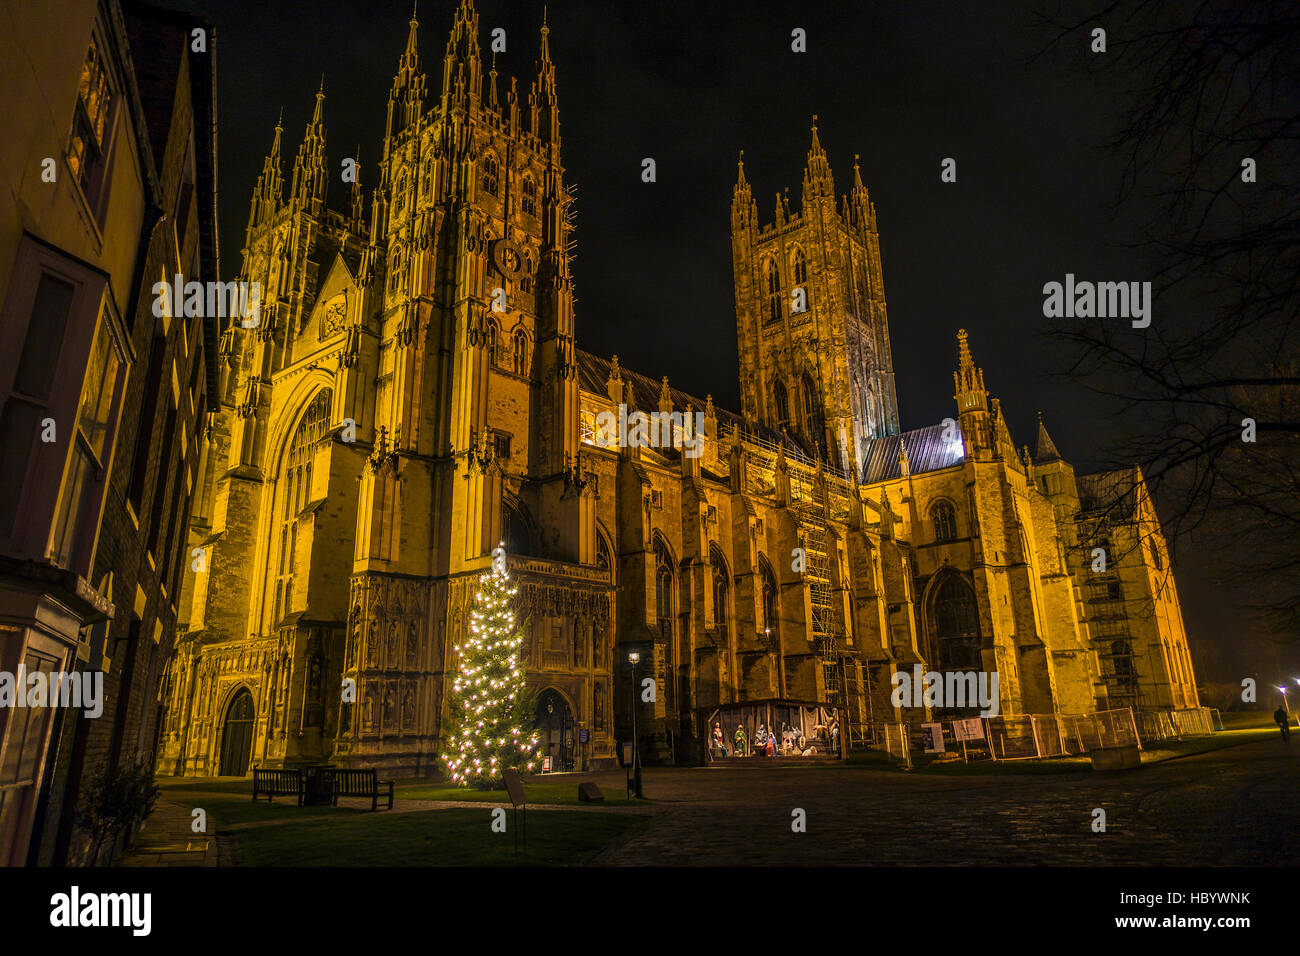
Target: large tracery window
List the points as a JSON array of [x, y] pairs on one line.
[[945, 521], [530, 196], [956, 625], [294, 488], [721, 585]]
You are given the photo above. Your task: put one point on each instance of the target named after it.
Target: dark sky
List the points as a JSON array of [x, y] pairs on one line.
[[903, 84]]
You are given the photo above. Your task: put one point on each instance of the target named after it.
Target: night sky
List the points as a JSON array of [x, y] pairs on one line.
[[690, 84]]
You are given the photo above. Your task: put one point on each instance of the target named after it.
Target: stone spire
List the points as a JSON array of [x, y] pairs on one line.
[[1045, 449], [309, 176], [744, 211], [269, 193], [817, 179], [543, 102], [462, 68], [406, 98], [972, 398]]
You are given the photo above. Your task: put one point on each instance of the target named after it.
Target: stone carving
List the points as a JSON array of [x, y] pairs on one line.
[[334, 316]]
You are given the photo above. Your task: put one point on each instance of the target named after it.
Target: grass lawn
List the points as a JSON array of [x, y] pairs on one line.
[[452, 837]]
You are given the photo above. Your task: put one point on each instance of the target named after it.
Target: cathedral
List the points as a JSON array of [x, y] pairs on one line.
[[412, 394]]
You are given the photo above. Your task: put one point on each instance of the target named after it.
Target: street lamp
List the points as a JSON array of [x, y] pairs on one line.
[[633, 658], [1285, 702]]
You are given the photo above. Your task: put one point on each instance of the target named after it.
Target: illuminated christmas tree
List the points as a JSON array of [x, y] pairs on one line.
[[488, 692]]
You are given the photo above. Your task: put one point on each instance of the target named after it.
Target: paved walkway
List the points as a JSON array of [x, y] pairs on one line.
[[166, 839], [1232, 806]]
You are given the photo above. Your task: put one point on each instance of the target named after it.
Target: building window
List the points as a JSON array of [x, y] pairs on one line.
[[92, 127], [530, 196], [90, 446], [782, 403], [29, 400], [490, 175], [955, 619], [770, 625], [399, 200], [945, 521], [603, 559], [721, 584], [664, 613], [493, 341], [521, 352], [295, 491], [501, 444], [801, 278], [773, 292]]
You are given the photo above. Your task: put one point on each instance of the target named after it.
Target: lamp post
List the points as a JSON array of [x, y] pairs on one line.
[[1285, 702], [633, 658]]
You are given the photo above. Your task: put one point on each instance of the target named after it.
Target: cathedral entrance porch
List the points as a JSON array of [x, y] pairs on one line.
[[237, 735], [555, 724]]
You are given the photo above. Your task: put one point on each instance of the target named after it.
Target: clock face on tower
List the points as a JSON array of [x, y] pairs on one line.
[[506, 257]]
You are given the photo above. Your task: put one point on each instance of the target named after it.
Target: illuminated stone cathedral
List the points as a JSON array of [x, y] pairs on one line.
[[413, 393]]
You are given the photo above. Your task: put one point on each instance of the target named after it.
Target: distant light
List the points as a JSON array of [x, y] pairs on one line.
[[633, 657]]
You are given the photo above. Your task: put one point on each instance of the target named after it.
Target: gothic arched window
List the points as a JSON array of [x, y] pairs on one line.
[[515, 530], [530, 196], [945, 521], [721, 586], [782, 402], [490, 174], [955, 620], [521, 352], [399, 199], [663, 587], [769, 599], [294, 490], [664, 611], [773, 292], [604, 559], [809, 398], [493, 340]]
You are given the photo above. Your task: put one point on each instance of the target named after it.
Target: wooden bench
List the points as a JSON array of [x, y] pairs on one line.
[[277, 783], [362, 783]]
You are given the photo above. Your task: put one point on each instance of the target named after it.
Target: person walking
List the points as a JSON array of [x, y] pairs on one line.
[[1283, 720]]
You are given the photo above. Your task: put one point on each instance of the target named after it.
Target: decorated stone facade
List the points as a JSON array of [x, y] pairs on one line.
[[412, 396]]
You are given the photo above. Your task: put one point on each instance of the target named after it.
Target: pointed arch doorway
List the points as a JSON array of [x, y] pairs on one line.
[[556, 727], [237, 735]]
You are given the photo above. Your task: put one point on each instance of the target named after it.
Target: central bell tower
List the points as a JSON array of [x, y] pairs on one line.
[[811, 326]]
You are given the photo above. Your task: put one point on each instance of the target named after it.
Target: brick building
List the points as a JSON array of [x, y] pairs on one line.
[[114, 156]]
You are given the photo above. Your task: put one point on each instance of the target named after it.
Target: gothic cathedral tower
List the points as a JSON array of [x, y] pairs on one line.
[[811, 325], [477, 389]]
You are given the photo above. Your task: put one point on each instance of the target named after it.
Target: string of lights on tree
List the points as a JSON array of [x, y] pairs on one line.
[[489, 684]]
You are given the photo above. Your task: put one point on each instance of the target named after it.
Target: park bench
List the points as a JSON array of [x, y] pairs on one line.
[[277, 783], [361, 783]]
